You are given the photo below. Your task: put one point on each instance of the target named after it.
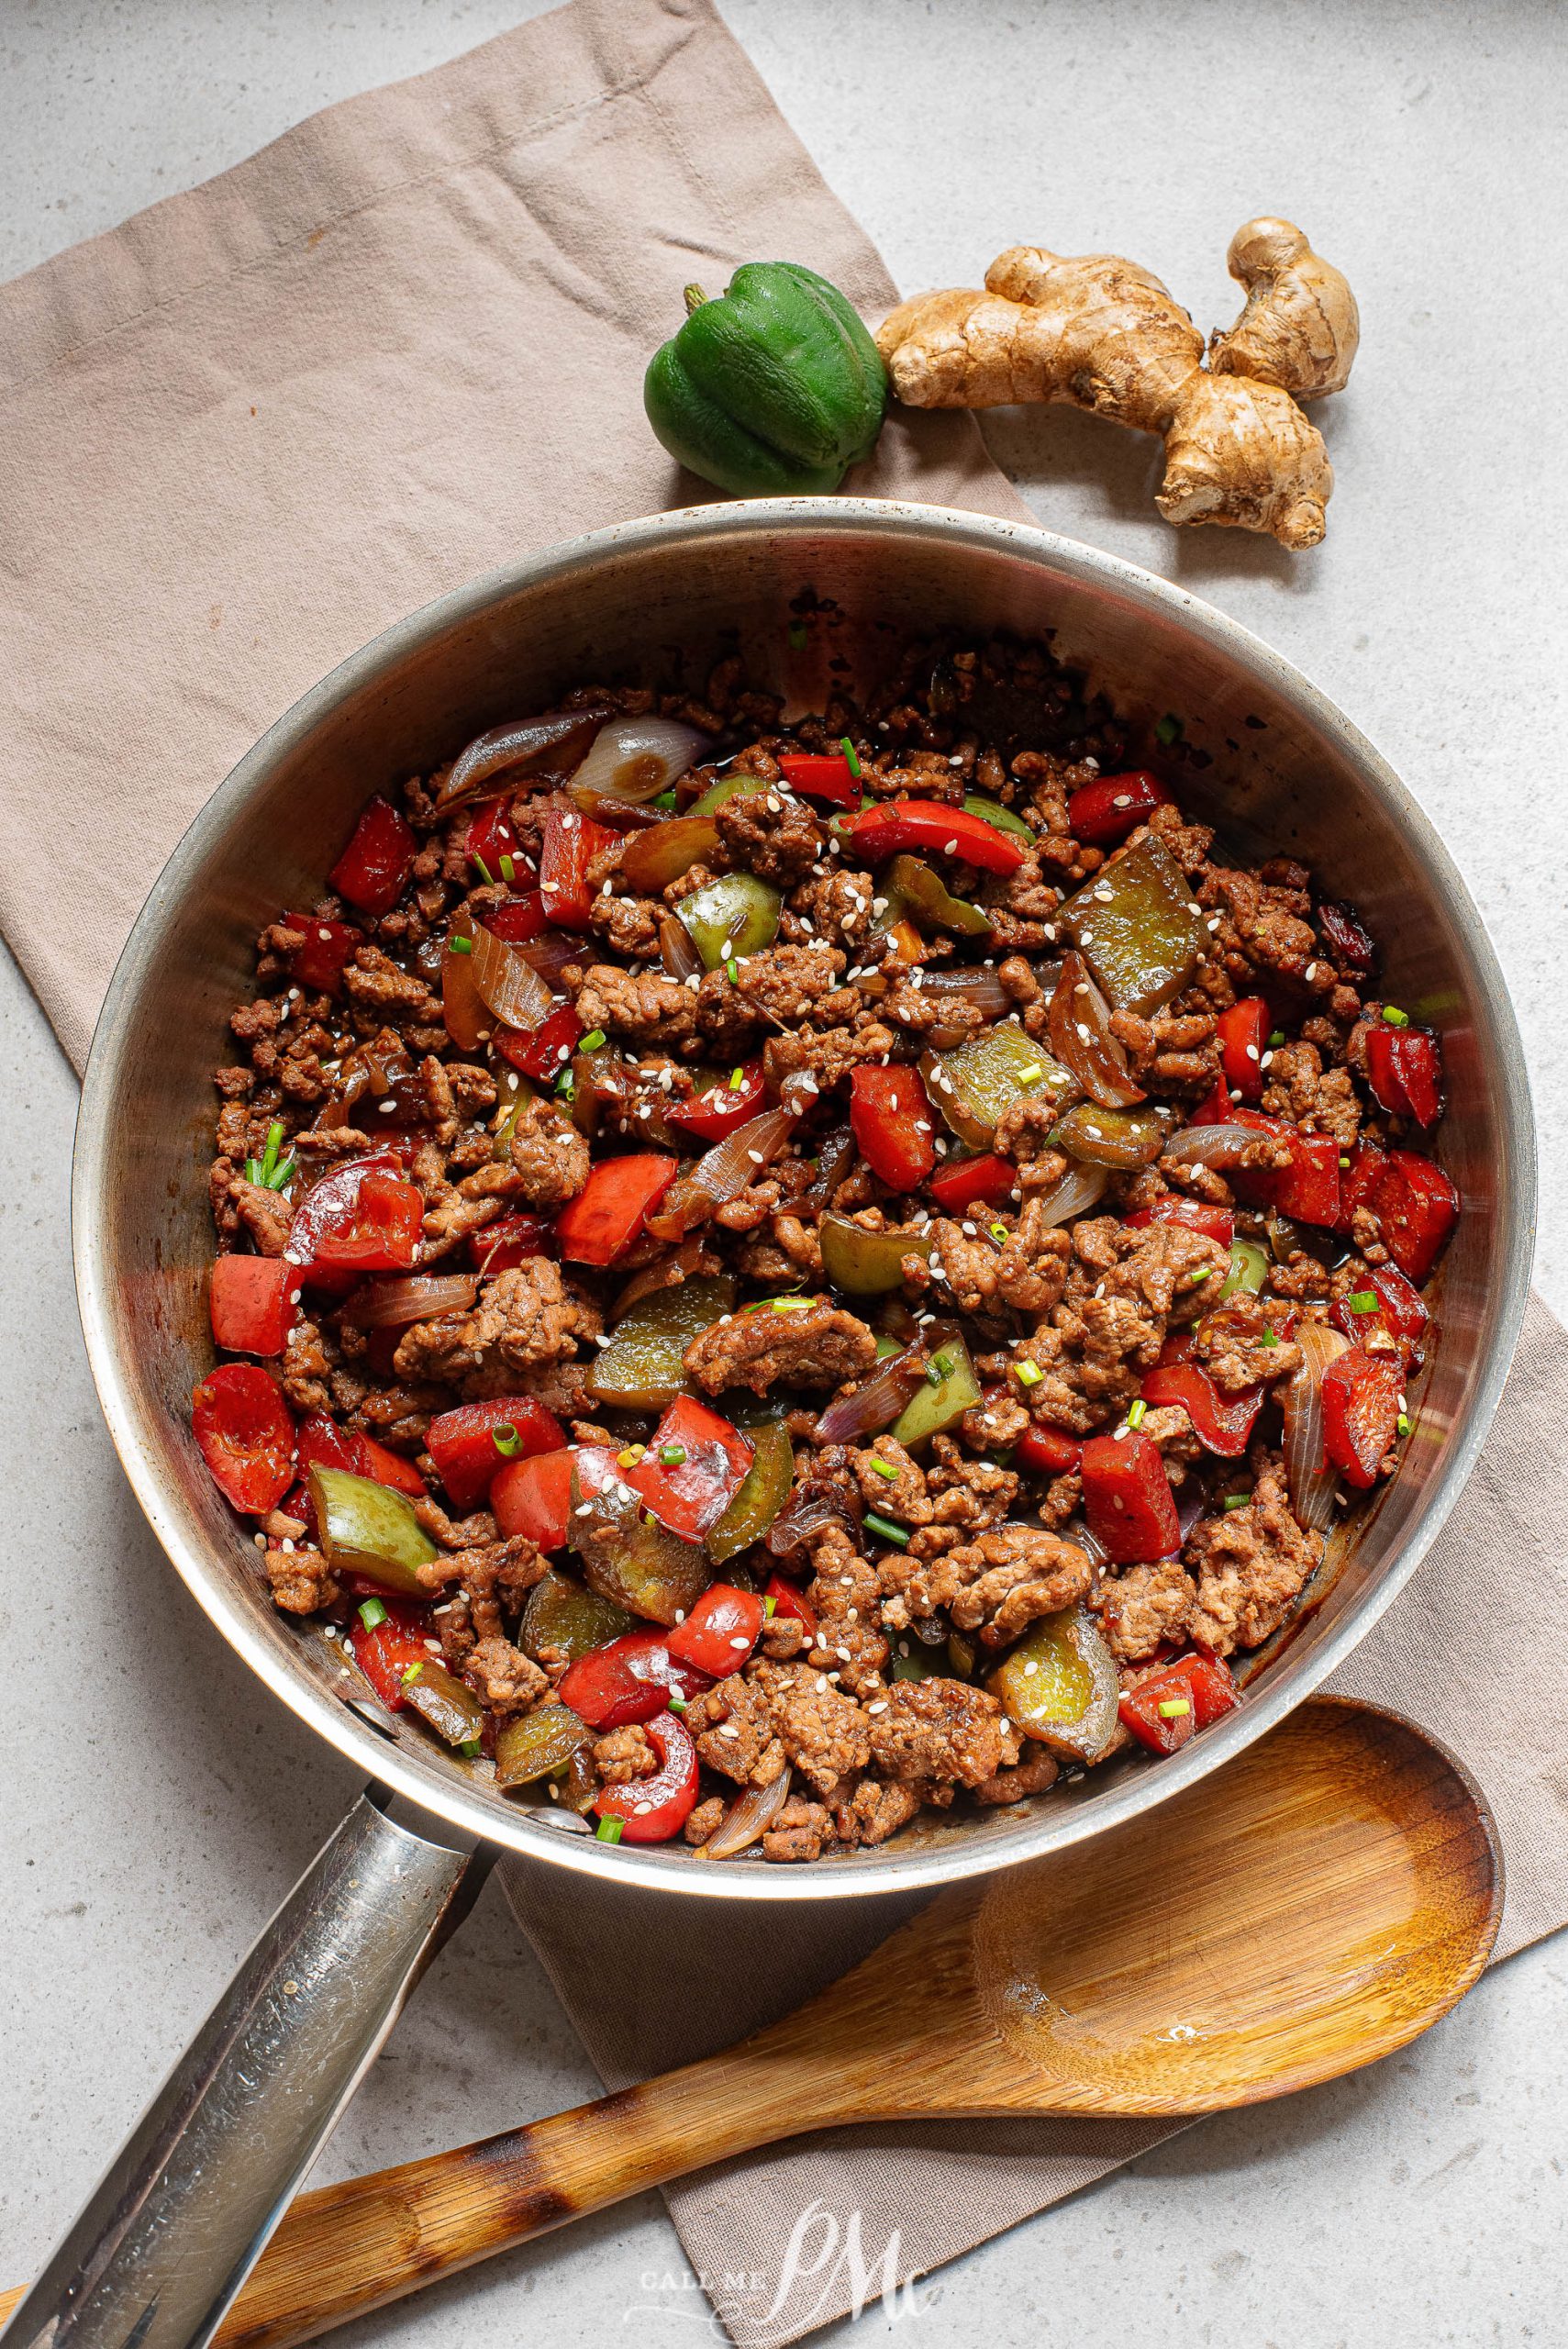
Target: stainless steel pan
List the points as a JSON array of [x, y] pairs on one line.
[[1288, 772]]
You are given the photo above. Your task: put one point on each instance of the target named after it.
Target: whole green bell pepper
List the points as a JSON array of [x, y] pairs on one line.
[[776, 387]]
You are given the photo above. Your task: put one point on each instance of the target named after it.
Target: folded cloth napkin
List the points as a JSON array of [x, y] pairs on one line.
[[260, 421]]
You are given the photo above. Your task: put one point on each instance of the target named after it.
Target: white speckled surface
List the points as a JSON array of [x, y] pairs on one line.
[[158, 1804]]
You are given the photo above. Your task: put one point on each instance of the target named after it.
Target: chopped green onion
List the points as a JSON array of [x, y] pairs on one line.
[[485, 873], [791, 1304], [1395, 1016], [504, 1438], [769, 1606], [252, 1170], [412, 1673], [1029, 1373], [1403, 1424], [671, 1455], [631, 1456], [737, 1079], [798, 636], [1168, 730], [1237, 1500], [849, 749], [1276, 1039], [473, 1747], [678, 1702], [1137, 1414], [1195, 1280], [1268, 1338], [885, 1468], [999, 1233], [1171, 1708], [509, 869], [372, 1612], [1032, 1074], [666, 798], [732, 970], [887, 1528], [282, 1177], [270, 1156], [608, 1831], [1343, 1160], [460, 945], [566, 1085], [1363, 1301], [938, 1368], [593, 1040]]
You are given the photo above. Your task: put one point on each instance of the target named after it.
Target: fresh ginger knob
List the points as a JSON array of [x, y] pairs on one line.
[[1300, 327]]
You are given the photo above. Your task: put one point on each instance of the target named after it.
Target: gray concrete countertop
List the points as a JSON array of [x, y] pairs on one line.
[[158, 1804]]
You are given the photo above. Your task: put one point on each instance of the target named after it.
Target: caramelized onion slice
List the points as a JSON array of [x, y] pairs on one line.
[[548, 956], [1079, 1022], [634, 759], [522, 746], [1312, 1482], [748, 1820], [506, 981], [415, 1296], [679, 954], [981, 987], [877, 1404], [1080, 1188], [721, 1174], [1219, 1146]]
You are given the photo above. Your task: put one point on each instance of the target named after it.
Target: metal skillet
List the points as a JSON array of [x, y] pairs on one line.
[[169, 2234]]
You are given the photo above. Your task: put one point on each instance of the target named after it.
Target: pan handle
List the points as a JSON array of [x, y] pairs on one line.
[[186, 2208]]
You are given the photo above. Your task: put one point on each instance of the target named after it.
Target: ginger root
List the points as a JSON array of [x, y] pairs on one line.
[[1102, 334]]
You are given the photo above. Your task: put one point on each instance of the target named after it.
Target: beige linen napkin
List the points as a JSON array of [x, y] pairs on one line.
[[258, 423]]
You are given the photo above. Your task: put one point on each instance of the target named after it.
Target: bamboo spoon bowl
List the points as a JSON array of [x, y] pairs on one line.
[[1316, 1905]]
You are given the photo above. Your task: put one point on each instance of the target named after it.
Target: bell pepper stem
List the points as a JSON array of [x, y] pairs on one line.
[[694, 297]]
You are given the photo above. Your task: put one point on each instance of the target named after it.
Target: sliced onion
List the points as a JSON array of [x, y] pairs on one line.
[[667, 1273], [1190, 1502], [548, 956], [655, 858], [462, 1006], [677, 948], [836, 1153], [522, 746], [812, 1504], [634, 759], [979, 988], [419, 1296], [721, 1174], [1311, 1480], [748, 1818], [1212, 1145], [877, 1404], [508, 983], [1079, 1021], [1080, 1187]]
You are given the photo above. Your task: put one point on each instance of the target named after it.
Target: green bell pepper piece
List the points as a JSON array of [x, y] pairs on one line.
[[1136, 929], [866, 1263], [1121, 1138], [931, 1408], [972, 1085], [761, 1498], [1060, 1685], [632, 1559], [729, 917], [367, 1529], [641, 1368], [539, 1743], [560, 1614], [775, 388], [911, 886], [920, 1662], [991, 811], [443, 1702], [1248, 1268], [728, 786], [653, 858]]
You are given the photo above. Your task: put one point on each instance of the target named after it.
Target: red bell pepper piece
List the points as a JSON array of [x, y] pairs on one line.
[[533, 1496], [1405, 1070], [721, 1630], [789, 1599], [245, 1433], [322, 1443], [1361, 1412], [691, 1494], [1201, 1683], [1222, 1423], [612, 1206], [895, 1124], [373, 869], [877, 833], [252, 1301], [723, 1106], [361, 1218], [822, 778], [390, 1468], [1309, 1189], [319, 963], [544, 1052], [1345, 939], [652, 1810], [491, 836], [500, 1246], [1128, 1499], [464, 1445], [1214, 1110], [1218, 1224], [517, 920], [1400, 1311], [1103, 813], [1047, 1452], [989, 1180], [1243, 1030], [387, 1650], [1416, 1205], [629, 1679], [568, 846]]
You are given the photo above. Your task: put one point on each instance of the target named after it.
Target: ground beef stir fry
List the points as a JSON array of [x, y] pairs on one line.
[[771, 1276]]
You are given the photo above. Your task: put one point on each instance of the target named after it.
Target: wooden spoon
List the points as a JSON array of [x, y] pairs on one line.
[[1316, 1905]]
